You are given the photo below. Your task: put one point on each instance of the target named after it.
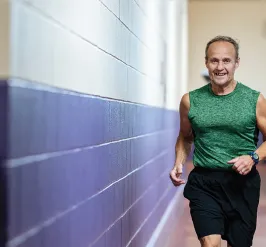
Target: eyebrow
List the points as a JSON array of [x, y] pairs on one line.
[[225, 58]]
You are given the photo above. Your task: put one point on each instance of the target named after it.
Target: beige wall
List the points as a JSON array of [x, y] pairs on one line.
[[4, 38], [242, 20]]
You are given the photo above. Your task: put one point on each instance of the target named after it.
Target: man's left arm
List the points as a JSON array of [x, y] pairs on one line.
[[243, 164], [261, 123]]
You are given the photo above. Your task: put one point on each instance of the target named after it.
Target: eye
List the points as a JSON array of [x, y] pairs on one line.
[[214, 61], [227, 61]]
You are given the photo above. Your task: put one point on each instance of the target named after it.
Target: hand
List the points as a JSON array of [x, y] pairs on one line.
[[242, 164], [175, 175]]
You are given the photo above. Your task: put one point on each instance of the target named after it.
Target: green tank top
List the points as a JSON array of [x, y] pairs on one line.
[[224, 126]]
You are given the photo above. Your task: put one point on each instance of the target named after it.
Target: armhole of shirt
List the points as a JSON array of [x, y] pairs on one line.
[[257, 93], [256, 130], [190, 104]]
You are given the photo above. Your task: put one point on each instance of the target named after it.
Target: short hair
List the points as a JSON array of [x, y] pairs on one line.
[[225, 39]]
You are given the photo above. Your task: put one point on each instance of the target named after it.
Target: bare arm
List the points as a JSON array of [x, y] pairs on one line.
[[185, 139], [243, 164], [261, 122], [183, 143]]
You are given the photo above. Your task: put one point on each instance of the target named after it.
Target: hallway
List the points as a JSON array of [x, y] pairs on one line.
[[89, 108]]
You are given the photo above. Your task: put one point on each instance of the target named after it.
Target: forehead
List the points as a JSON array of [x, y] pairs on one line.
[[221, 49]]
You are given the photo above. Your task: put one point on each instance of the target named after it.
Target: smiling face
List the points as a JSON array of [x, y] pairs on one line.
[[221, 63]]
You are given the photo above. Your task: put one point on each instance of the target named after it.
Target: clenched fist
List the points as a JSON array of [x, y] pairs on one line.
[[175, 175]]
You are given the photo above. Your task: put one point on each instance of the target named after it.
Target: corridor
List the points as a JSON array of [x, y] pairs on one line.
[[89, 108]]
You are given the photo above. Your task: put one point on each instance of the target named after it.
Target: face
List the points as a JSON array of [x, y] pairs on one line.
[[221, 63]]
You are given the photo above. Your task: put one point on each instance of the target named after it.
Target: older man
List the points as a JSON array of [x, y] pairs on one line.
[[222, 119]]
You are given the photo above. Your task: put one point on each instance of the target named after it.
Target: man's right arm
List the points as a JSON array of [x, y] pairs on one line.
[[185, 139], [183, 143]]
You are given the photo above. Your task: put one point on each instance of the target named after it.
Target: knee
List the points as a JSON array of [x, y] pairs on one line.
[[211, 241]]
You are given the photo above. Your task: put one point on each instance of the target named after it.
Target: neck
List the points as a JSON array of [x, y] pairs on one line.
[[224, 89]]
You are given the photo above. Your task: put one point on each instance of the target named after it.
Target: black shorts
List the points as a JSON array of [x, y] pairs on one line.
[[224, 203]]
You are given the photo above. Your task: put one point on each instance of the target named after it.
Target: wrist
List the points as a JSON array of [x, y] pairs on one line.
[[255, 157], [177, 167], [178, 164]]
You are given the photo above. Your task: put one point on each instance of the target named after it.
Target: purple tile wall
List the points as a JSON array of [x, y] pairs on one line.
[[3, 155], [85, 171]]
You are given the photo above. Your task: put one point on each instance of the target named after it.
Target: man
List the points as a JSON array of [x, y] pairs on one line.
[[222, 119]]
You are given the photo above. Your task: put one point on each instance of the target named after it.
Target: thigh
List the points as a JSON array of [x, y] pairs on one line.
[[239, 234], [206, 212], [207, 218], [240, 229]]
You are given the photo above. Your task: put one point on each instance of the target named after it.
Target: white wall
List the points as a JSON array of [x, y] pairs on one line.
[[243, 20], [4, 39], [110, 48], [177, 52]]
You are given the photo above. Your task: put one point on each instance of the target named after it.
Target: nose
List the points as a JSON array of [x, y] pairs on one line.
[[220, 65]]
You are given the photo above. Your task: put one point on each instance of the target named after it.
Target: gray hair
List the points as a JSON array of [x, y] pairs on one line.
[[225, 39]]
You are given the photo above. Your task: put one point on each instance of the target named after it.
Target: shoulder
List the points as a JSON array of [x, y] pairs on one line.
[[261, 115], [261, 103], [248, 90], [248, 95], [189, 97], [199, 95], [200, 90], [185, 102]]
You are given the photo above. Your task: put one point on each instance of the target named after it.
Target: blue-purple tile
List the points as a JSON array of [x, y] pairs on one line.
[[54, 121], [4, 103], [114, 235], [4, 119], [101, 242], [24, 114]]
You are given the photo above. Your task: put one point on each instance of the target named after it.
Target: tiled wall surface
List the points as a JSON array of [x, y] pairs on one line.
[[111, 48], [85, 171], [3, 157]]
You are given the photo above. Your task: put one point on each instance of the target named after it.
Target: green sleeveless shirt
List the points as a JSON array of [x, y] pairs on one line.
[[224, 126]]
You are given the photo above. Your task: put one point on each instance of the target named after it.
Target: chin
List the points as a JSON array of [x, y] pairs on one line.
[[221, 82]]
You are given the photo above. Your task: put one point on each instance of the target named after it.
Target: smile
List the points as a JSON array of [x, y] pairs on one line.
[[220, 74]]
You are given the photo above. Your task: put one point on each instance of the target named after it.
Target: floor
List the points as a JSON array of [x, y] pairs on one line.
[[186, 233]]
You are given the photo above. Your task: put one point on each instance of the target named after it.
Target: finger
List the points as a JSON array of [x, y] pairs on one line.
[[179, 182], [239, 167], [175, 175], [233, 160], [242, 167], [243, 170], [175, 179], [236, 166], [246, 172]]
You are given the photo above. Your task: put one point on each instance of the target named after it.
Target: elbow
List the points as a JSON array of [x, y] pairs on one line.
[[188, 139]]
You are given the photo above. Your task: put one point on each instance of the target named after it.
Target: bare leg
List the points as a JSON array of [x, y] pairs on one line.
[[211, 241]]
